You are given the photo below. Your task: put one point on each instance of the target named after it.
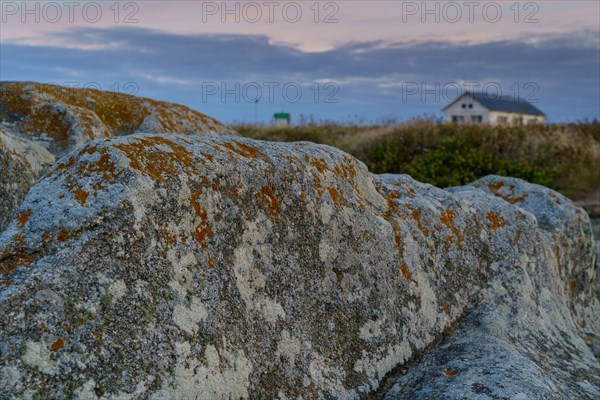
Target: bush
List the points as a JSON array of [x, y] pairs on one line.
[[458, 162], [564, 157]]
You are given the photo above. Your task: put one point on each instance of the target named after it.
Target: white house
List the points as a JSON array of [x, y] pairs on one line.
[[479, 108]]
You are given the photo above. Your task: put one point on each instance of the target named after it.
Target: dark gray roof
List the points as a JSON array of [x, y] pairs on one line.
[[502, 103]]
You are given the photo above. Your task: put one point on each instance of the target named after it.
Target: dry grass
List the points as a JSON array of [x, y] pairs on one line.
[[565, 157]]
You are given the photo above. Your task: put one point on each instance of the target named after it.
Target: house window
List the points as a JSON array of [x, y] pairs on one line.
[[464, 106], [502, 120], [477, 118], [458, 118], [470, 105]]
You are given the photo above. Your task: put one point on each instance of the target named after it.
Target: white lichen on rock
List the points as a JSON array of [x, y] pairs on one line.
[[166, 266]]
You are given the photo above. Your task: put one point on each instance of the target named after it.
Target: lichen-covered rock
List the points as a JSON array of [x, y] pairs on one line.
[[47, 118], [526, 339], [66, 118], [196, 267], [21, 163]]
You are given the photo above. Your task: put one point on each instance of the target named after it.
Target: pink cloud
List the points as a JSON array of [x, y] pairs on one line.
[[301, 23]]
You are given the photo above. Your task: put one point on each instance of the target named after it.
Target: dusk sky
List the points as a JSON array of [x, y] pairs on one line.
[[344, 60]]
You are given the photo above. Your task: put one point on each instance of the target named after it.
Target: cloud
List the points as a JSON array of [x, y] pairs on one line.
[[372, 77]]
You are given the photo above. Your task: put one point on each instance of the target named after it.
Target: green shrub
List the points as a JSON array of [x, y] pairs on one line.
[[565, 157], [458, 162]]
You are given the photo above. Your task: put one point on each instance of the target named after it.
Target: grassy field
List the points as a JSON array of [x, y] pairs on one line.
[[564, 157]]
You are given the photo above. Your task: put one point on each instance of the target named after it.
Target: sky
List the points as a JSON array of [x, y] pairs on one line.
[[348, 61]]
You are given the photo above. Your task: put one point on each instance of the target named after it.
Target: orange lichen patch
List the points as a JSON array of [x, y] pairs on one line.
[[119, 112], [497, 221], [296, 163], [5, 283], [88, 150], [411, 192], [450, 372], [202, 229], [81, 196], [416, 215], [221, 187], [164, 232], [390, 215], [406, 272], [42, 325], [392, 207], [397, 236], [59, 344], [22, 218], [494, 187], [572, 285], [55, 110], [210, 263], [555, 199], [13, 98], [319, 163], [63, 166], [513, 200], [510, 198], [318, 184], [447, 217], [63, 235], [346, 171], [145, 157], [49, 120], [335, 197], [207, 156], [517, 236], [97, 186], [267, 193], [97, 335], [14, 256], [103, 167], [242, 149]]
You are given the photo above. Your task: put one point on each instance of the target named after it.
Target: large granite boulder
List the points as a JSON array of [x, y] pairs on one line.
[[524, 338], [48, 120], [197, 267], [65, 118]]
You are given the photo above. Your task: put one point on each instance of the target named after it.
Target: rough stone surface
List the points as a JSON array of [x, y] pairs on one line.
[[197, 267], [65, 118], [22, 161], [521, 341], [45, 121]]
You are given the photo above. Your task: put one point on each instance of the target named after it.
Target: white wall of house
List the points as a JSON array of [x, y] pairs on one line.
[[470, 113], [504, 118], [282, 122]]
